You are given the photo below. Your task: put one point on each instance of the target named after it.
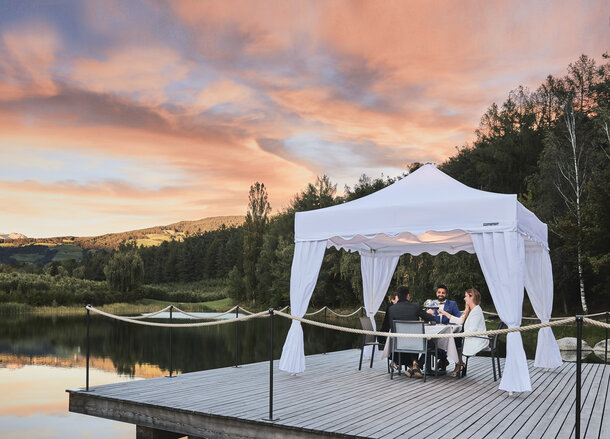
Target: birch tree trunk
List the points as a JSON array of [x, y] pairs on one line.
[[575, 175]]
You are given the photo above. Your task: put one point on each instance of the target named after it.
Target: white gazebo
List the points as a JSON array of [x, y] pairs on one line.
[[428, 211]]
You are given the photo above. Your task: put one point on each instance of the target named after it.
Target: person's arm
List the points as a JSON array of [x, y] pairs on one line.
[[456, 311], [452, 319], [425, 316]]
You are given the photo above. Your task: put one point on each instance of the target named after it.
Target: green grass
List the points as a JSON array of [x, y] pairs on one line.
[[213, 305], [31, 258], [142, 306], [68, 251]]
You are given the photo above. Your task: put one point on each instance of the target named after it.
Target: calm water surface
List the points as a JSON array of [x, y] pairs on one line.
[[41, 357]]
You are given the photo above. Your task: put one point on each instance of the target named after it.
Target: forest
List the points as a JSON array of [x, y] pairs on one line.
[[550, 146]]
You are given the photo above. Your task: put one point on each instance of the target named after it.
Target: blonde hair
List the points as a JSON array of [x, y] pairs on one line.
[[476, 298]]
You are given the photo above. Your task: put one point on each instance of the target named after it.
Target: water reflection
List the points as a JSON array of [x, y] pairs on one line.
[[33, 403], [41, 357], [136, 350]]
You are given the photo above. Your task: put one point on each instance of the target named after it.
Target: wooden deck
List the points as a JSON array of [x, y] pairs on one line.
[[333, 398]]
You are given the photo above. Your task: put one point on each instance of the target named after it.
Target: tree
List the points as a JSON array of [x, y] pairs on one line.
[[125, 269], [573, 170], [257, 217]]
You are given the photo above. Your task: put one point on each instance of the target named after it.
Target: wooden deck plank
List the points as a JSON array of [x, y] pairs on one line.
[[513, 419], [477, 412], [562, 420], [541, 402], [393, 411], [594, 408], [333, 398], [604, 427], [567, 428]]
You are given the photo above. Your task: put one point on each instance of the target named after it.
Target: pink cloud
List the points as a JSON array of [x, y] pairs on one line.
[[29, 53], [140, 71]]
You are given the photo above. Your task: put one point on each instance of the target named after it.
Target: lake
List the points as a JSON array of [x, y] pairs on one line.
[[41, 357]]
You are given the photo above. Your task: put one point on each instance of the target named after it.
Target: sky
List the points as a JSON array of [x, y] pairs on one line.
[[119, 115]]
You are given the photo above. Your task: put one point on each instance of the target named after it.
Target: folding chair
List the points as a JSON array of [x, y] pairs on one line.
[[367, 340], [492, 349], [412, 345]]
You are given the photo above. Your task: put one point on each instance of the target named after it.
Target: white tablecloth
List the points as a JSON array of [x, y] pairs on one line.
[[446, 344]]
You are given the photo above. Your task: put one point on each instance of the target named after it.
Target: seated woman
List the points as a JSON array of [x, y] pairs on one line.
[[473, 321]]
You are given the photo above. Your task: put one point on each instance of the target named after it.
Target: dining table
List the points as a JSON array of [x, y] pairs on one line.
[[446, 344]]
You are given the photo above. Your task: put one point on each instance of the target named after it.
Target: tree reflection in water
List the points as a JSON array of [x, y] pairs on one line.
[[136, 350]]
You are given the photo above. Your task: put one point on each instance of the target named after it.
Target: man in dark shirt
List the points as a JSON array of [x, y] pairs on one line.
[[404, 309]]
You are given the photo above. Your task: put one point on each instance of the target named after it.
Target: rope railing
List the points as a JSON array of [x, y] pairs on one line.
[[579, 320], [316, 312], [345, 315], [596, 323], [599, 314], [194, 316], [178, 325], [400, 335], [152, 314], [561, 320]]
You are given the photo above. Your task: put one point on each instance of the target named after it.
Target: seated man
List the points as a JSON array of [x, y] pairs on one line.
[[404, 309], [449, 306]]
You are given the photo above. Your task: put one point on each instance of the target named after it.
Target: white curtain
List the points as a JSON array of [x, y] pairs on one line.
[[539, 286], [502, 259], [377, 273], [306, 264]]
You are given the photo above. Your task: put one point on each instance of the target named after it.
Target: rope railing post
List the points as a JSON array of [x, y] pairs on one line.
[[237, 337], [325, 321], [270, 418], [171, 318], [606, 353], [362, 311], [87, 348], [578, 371]]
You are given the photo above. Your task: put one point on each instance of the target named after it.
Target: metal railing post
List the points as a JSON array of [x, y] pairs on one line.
[[171, 318], [578, 371], [237, 337], [606, 353], [87, 379], [326, 322], [362, 311], [270, 418]]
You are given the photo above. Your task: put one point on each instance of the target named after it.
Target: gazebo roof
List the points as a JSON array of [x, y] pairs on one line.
[[427, 211]]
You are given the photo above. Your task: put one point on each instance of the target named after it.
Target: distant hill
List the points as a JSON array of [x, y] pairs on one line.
[[44, 250], [12, 236]]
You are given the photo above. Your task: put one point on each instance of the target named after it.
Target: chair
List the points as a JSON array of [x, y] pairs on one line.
[[412, 345], [367, 340], [492, 349]]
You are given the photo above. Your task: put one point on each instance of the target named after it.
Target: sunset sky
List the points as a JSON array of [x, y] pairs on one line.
[[119, 115]]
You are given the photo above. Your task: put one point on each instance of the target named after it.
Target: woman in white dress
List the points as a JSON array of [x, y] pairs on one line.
[[473, 321]]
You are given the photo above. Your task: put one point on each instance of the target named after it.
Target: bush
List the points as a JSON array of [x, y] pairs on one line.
[[200, 291], [47, 290]]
